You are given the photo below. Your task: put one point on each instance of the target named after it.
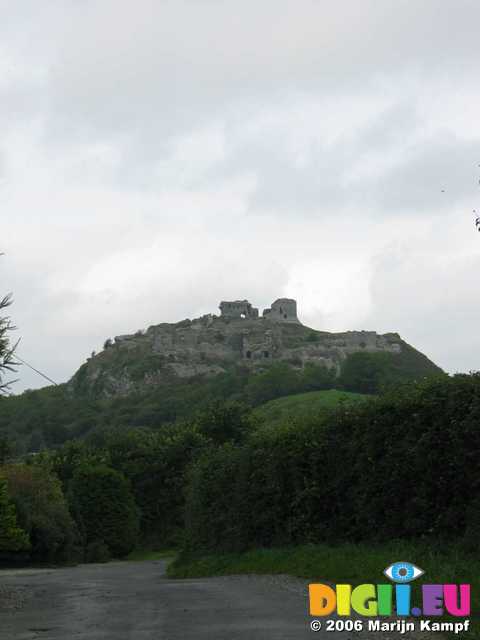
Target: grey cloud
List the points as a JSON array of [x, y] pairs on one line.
[[160, 156], [411, 173], [164, 67], [437, 174]]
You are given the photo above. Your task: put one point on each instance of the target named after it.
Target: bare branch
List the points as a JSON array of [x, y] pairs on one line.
[[7, 350]]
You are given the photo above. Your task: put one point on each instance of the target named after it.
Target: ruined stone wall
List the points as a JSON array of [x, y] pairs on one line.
[[238, 309], [282, 310], [210, 345]]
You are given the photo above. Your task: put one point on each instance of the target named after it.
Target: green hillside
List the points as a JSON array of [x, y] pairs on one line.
[[51, 416], [171, 353], [170, 372], [304, 405]]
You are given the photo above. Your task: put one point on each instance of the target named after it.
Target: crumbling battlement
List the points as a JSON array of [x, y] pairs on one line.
[[282, 310], [238, 309]]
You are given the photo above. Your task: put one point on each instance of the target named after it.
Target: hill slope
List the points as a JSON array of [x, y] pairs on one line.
[[212, 345], [304, 405], [171, 371]]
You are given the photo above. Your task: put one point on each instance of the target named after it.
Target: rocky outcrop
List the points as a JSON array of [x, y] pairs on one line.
[[211, 345]]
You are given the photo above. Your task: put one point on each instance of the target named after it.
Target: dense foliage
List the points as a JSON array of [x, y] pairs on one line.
[[12, 537], [42, 511], [204, 462], [154, 463], [400, 466], [304, 406], [104, 509], [49, 417]]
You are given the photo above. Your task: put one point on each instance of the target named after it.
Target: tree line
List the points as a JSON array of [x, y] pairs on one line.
[[49, 417], [93, 499], [399, 466]]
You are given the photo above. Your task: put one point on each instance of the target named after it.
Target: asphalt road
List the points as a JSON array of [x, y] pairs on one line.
[[135, 601]]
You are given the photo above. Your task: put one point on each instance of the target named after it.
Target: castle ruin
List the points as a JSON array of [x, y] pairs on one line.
[[282, 310], [238, 309]]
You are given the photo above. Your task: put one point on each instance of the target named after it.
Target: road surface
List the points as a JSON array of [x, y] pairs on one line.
[[136, 601]]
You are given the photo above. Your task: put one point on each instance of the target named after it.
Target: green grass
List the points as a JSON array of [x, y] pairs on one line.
[[347, 564], [304, 405], [139, 555]]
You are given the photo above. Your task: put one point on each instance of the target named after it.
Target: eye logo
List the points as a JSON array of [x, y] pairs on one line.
[[403, 572], [384, 599]]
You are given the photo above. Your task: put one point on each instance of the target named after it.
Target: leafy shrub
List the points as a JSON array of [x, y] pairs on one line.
[[278, 380], [42, 511], [12, 537], [155, 464], [224, 421], [365, 372], [97, 551], [214, 507], [316, 377], [104, 508], [5, 449]]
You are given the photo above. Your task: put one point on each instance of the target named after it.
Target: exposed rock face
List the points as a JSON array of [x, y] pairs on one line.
[[210, 345]]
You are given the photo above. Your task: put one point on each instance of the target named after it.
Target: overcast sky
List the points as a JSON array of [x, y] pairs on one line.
[[157, 157]]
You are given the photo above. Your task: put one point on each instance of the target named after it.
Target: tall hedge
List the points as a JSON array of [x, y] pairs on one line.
[[401, 466], [104, 509]]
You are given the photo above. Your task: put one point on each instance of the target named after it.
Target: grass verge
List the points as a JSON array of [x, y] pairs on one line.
[[139, 555], [347, 564]]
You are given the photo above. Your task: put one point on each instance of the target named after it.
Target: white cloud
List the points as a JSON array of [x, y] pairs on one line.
[[158, 157]]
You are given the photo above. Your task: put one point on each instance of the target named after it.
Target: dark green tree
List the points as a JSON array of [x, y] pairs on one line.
[[365, 372], [155, 464], [223, 421], [104, 508], [5, 449], [12, 538], [278, 380], [42, 511], [316, 377]]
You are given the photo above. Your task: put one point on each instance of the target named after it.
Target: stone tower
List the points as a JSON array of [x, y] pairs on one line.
[[282, 310]]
